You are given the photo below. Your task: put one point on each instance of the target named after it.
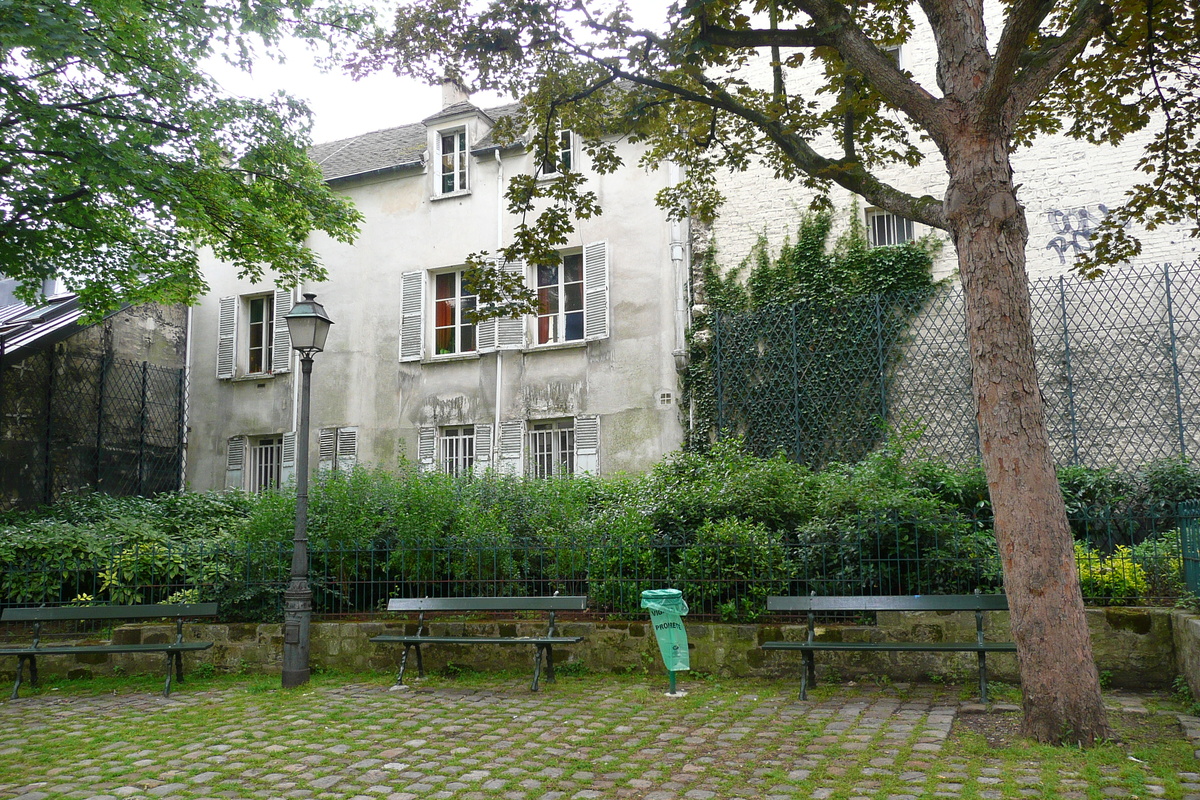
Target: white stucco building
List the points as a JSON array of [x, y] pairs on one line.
[[586, 385], [1067, 186]]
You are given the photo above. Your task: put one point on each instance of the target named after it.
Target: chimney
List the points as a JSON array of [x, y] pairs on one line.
[[453, 93]]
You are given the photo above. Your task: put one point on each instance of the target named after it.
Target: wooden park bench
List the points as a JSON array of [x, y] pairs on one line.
[[979, 603], [543, 644], [174, 650]]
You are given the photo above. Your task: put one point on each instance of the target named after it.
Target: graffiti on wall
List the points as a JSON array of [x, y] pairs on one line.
[[1073, 229]]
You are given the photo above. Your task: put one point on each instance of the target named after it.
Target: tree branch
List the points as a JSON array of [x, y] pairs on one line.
[[847, 173], [793, 37], [884, 75], [1031, 82], [1024, 18]]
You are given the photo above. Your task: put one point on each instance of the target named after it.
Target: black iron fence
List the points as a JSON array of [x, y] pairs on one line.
[[69, 421], [1118, 360], [1122, 561]]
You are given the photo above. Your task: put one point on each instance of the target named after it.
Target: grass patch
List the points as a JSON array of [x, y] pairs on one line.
[[484, 733]]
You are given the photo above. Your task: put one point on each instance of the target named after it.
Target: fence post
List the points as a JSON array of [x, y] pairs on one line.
[[1174, 360], [880, 358], [1062, 300], [100, 404], [181, 440], [718, 379], [797, 408], [47, 462], [141, 466]]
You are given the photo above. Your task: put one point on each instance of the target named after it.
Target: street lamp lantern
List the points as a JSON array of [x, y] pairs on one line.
[[308, 325]]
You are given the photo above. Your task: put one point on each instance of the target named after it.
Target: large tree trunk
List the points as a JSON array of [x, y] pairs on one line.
[[1059, 682]]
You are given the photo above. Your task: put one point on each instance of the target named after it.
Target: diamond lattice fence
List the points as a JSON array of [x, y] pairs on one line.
[[69, 421], [1118, 360]]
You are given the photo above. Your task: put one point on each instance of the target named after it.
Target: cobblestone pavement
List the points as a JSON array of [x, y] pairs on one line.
[[606, 740]]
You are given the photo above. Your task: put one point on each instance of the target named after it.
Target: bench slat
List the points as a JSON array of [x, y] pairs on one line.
[[75, 649], [477, 639], [945, 602], [988, 647], [567, 603], [65, 613]]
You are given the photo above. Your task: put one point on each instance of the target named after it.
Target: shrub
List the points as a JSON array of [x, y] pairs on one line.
[[732, 566], [1116, 580], [48, 561], [1161, 559]]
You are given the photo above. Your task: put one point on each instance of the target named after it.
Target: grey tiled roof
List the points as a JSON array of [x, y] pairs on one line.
[[392, 148]]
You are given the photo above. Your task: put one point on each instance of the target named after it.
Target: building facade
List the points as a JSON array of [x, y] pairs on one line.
[[587, 385]]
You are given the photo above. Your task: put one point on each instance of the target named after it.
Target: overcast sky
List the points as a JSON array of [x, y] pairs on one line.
[[343, 107]]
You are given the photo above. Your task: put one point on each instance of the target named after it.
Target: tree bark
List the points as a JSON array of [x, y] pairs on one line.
[[1059, 681]]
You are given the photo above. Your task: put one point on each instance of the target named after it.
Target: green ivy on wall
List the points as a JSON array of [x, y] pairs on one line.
[[803, 344]]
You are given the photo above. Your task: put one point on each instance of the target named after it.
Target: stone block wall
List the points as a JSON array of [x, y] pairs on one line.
[[1135, 647]]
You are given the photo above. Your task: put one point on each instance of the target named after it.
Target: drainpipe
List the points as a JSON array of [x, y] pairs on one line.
[[185, 417], [499, 357], [679, 269], [293, 356]]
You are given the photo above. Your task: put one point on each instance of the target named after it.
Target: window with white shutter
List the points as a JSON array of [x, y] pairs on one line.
[[427, 448], [337, 449], [235, 462], [595, 291], [512, 447], [587, 445], [252, 335], [412, 316], [281, 346], [510, 331], [287, 458], [227, 338], [483, 446]]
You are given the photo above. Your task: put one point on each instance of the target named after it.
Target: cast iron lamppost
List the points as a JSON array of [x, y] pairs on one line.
[[308, 326]]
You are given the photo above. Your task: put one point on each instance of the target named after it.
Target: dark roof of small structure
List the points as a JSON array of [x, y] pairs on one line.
[[24, 329], [394, 149]]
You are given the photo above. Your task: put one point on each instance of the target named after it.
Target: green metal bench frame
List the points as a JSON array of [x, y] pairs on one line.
[[543, 644], [27, 654], [979, 603]]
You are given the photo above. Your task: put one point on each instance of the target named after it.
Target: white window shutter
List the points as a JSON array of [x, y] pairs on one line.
[[485, 336], [326, 448], [427, 448], [512, 447], [510, 334], [235, 462], [347, 449], [587, 445], [483, 446], [595, 291], [281, 344], [412, 316], [287, 459], [227, 337]]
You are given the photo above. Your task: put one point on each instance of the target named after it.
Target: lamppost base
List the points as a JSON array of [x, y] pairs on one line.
[[294, 678]]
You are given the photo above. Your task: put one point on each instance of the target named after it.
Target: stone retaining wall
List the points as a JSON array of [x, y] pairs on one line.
[[1134, 647]]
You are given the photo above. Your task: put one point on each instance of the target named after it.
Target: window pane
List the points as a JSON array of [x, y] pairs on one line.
[[573, 268], [574, 297], [444, 341], [547, 276], [468, 338], [574, 326], [444, 284]]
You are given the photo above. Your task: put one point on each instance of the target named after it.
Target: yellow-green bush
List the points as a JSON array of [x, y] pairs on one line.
[[1115, 580]]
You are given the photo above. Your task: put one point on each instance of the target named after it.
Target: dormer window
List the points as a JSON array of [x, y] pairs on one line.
[[452, 166], [562, 158]]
